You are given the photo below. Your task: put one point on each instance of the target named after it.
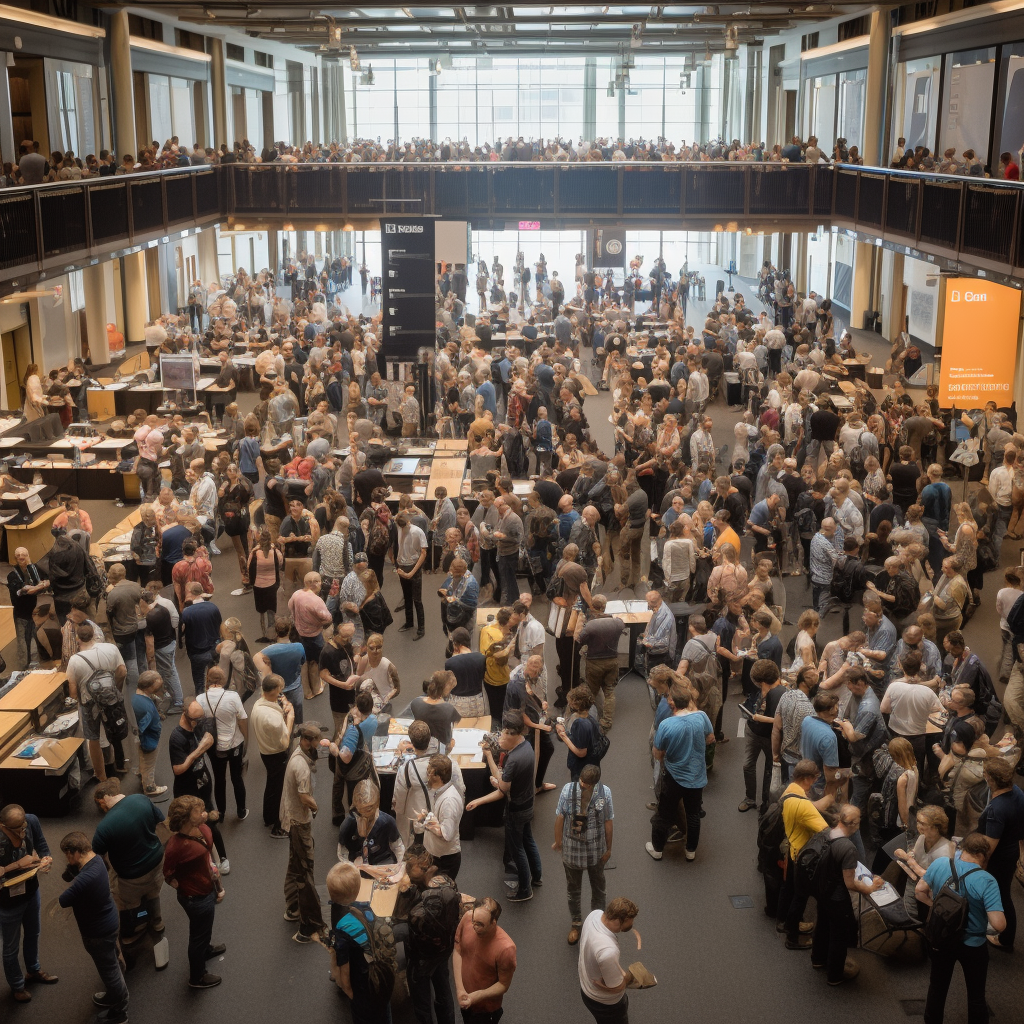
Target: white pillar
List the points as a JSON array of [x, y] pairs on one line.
[[874, 97], [122, 85], [136, 297], [97, 313], [206, 245]]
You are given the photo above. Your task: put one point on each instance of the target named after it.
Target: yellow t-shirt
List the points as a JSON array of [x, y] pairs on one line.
[[801, 819], [495, 673], [728, 536]]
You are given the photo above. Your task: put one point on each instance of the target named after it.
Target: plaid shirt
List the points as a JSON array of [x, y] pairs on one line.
[[578, 853]]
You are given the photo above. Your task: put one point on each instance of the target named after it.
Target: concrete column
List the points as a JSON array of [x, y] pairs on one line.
[[8, 143], [136, 297], [874, 99], [206, 244], [121, 84], [863, 275], [799, 262], [97, 314], [219, 92]]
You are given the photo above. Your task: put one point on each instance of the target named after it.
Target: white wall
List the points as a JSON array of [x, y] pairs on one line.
[[922, 281]]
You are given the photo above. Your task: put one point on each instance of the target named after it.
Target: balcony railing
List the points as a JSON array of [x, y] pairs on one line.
[[46, 228]]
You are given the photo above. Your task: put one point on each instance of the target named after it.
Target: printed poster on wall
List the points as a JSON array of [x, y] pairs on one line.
[[407, 279], [980, 335], [609, 248]]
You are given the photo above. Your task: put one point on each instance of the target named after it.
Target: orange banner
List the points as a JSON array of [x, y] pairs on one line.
[[979, 343]]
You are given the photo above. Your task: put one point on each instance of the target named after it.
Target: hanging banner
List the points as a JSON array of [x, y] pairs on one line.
[[609, 247], [980, 332], [407, 286]]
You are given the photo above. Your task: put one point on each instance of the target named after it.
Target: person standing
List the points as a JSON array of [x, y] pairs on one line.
[[25, 581], [200, 625], [90, 900], [189, 870], [298, 805], [22, 848], [971, 949], [766, 675], [600, 636], [412, 553], [285, 659], [272, 721], [310, 615], [679, 744], [484, 963], [508, 533], [441, 826], [583, 834], [231, 732], [1002, 825], [603, 980], [337, 672], [160, 646], [147, 714]]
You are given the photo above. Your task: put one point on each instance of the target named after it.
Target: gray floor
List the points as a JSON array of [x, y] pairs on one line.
[[711, 959]]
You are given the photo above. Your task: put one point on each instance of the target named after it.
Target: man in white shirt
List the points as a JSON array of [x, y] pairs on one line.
[[909, 702], [603, 980], [441, 824], [1000, 484], [702, 445], [775, 342], [412, 552], [530, 634]]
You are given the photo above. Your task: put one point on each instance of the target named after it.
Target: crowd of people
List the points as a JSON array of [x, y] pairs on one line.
[[893, 731]]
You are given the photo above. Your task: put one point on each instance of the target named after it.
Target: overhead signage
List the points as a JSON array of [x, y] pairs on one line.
[[408, 281]]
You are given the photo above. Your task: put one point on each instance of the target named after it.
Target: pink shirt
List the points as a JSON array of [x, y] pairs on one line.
[[309, 613]]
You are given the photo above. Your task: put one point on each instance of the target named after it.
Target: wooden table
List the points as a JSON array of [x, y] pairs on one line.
[[8, 634], [44, 788], [447, 471], [35, 537], [453, 445], [13, 725], [32, 693]]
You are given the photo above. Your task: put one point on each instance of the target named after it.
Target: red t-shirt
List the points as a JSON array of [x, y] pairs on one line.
[[187, 861], [1012, 172], [485, 961]]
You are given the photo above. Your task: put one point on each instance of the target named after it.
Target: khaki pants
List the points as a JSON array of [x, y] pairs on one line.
[[295, 570], [629, 555], [300, 893], [131, 892], [1013, 699], [602, 677], [147, 766]]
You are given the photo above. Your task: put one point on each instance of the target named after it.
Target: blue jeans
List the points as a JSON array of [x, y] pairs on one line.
[[296, 697], [131, 682], [14, 921], [26, 632], [1002, 524], [103, 950], [519, 837], [200, 910], [200, 662], [421, 975], [169, 672], [507, 565]]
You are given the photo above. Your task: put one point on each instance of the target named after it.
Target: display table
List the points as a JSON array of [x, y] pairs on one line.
[[35, 537], [44, 788], [39, 694], [13, 726], [8, 634]]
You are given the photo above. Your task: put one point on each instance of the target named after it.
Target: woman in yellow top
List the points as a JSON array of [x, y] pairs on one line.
[[496, 643]]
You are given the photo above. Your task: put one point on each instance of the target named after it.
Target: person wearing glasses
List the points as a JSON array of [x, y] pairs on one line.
[[23, 854]]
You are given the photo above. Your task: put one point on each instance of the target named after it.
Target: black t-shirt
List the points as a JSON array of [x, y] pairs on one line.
[[744, 486], [824, 424], [441, 718], [158, 622], [1003, 819], [841, 856], [338, 661], [549, 493], [228, 376], [518, 770], [196, 780], [299, 547], [795, 486], [375, 848], [364, 482], [904, 481], [767, 705], [468, 670], [273, 501]]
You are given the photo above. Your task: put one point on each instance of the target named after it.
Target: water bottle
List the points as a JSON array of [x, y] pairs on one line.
[[76, 457]]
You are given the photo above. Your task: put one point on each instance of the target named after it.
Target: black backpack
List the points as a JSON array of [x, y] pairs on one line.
[[381, 959], [844, 575], [947, 919], [434, 920], [812, 858], [771, 833]]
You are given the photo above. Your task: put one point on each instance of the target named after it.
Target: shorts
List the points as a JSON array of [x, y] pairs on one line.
[[129, 893], [91, 718]]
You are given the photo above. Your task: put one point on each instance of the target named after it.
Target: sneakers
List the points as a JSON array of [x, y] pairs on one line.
[[652, 805], [746, 805], [206, 981], [802, 942], [242, 815], [656, 854], [806, 927], [278, 833], [301, 937], [217, 950], [406, 627], [691, 854], [420, 633], [214, 550], [850, 971], [519, 897], [291, 915], [156, 792], [225, 867]]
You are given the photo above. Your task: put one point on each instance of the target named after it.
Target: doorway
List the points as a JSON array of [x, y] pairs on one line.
[[17, 354], [28, 103], [789, 98]]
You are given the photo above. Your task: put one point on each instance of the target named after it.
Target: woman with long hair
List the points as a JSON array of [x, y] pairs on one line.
[[146, 547], [965, 547], [234, 496], [264, 571], [374, 611], [896, 766], [35, 407]]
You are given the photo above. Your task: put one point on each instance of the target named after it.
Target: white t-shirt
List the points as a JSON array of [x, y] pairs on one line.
[[226, 707], [82, 665], [599, 960], [1005, 600], [908, 706]]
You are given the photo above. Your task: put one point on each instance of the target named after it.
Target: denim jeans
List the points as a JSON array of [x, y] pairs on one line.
[[169, 673], [422, 975], [297, 699], [200, 911], [519, 837], [754, 746], [574, 887], [26, 631], [668, 813], [15, 921], [103, 950], [200, 662]]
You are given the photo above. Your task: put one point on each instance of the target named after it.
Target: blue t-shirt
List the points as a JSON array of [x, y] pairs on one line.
[[89, 897], [148, 717], [200, 622], [818, 743], [248, 453], [286, 660], [664, 711], [583, 733], [368, 727], [683, 739], [760, 514], [171, 539], [982, 894]]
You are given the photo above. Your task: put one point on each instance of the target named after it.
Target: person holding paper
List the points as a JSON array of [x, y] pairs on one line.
[[23, 854], [603, 980]]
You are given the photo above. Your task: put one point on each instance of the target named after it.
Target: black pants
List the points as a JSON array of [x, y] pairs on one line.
[[1004, 878], [547, 750], [832, 936], [489, 568], [275, 765], [668, 813], [449, 864], [430, 989], [607, 1013], [235, 761], [412, 594], [793, 900], [376, 563], [200, 910], [565, 647], [974, 961], [496, 703], [482, 1016]]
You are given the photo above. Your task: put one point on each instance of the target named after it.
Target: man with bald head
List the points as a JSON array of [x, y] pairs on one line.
[[25, 581], [913, 639], [600, 637], [22, 847], [658, 640], [826, 547], [584, 536]]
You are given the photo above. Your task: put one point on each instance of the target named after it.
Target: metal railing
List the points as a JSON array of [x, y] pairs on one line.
[[979, 221]]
